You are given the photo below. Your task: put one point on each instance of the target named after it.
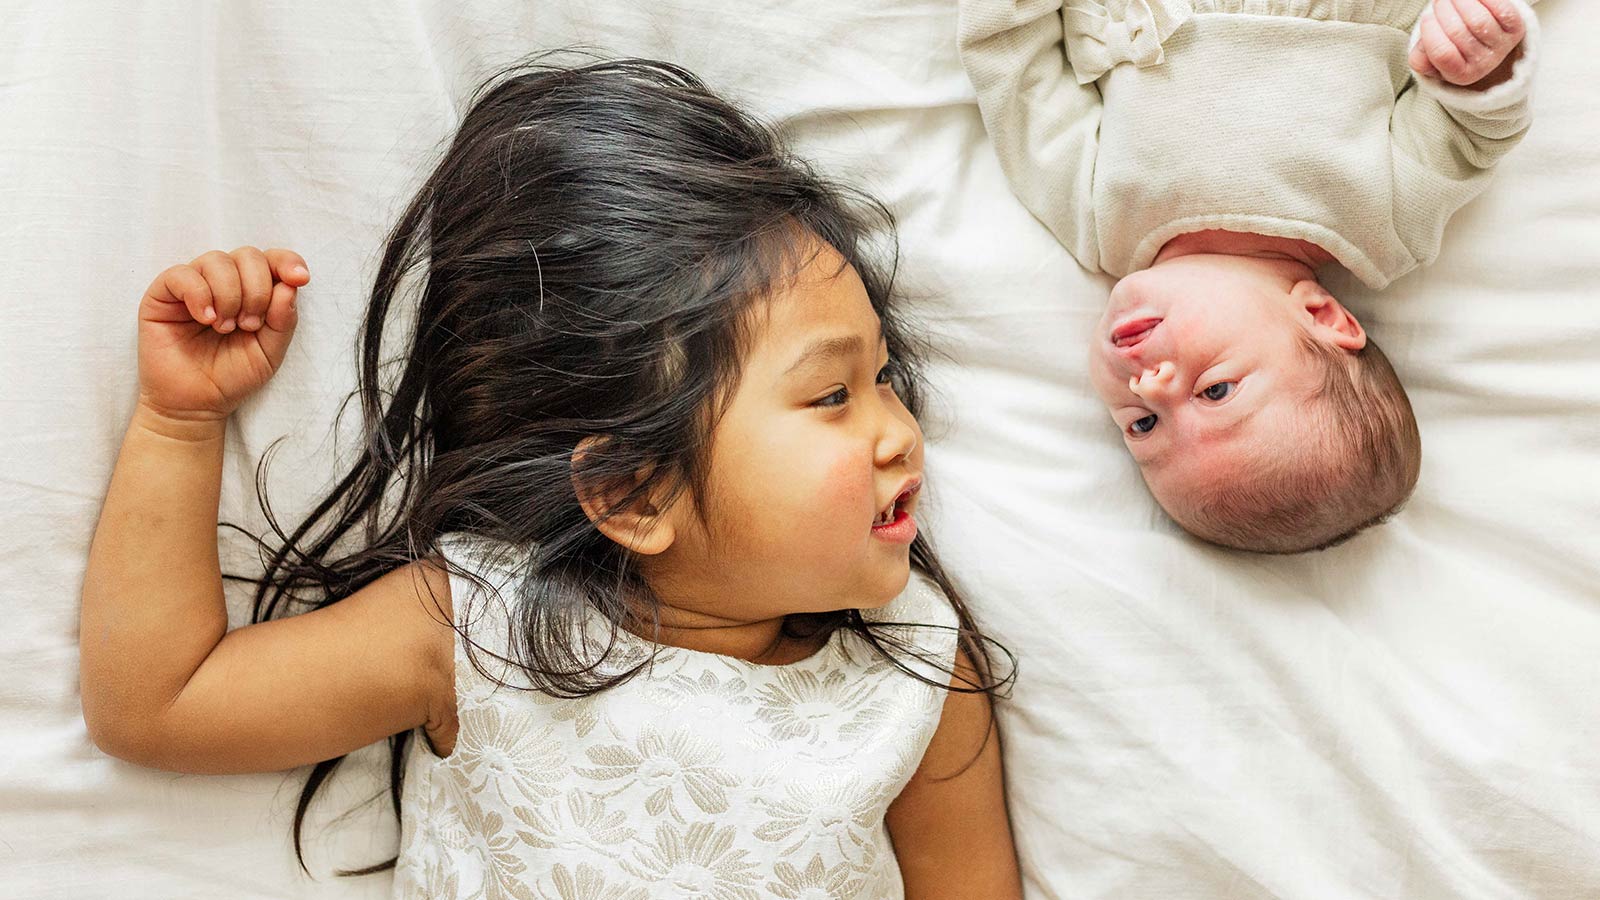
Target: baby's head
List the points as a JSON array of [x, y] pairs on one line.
[[1260, 415]]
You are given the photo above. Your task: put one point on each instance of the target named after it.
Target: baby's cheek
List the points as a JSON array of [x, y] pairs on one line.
[[1104, 378]]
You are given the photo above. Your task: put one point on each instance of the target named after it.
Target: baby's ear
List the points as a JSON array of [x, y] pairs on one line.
[[620, 506], [1330, 321]]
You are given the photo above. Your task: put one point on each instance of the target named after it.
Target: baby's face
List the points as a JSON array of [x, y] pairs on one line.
[[1198, 359]]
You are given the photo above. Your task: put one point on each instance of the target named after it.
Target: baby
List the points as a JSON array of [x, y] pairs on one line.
[[1214, 154]]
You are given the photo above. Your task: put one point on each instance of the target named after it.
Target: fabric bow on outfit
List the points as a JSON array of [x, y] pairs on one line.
[[1102, 35]]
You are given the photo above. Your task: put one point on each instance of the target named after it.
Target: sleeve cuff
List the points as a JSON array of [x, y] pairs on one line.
[[1510, 92]]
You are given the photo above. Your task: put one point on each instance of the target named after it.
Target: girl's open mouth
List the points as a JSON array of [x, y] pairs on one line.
[[894, 523]]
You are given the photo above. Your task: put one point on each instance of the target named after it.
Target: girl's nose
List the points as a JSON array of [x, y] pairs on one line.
[[900, 437], [1152, 383]]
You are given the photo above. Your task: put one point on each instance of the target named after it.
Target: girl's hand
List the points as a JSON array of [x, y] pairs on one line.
[[1466, 41], [215, 330]]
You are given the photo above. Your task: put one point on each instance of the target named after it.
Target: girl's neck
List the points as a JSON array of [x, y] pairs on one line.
[[1239, 243], [762, 642]]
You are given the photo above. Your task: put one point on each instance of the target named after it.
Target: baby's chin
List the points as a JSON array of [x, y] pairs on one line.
[[1129, 299]]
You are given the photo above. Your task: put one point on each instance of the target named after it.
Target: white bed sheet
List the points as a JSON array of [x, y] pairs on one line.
[[1413, 714]]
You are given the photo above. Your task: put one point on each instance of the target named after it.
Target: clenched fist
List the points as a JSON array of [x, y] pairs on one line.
[[213, 331], [1465, 42]]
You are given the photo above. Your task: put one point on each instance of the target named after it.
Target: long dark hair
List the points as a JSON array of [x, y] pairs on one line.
[[578, 265]]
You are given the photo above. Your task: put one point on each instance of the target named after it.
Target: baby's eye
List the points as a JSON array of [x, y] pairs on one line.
[[1220, 390], [837, 398], [1144, 425]]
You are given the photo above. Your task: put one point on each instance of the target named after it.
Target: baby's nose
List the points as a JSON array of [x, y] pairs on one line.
[[1152, 382]]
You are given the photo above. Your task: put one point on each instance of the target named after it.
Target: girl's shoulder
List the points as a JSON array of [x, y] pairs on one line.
[[480, 570]]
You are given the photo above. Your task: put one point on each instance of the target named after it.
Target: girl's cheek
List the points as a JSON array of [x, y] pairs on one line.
[[847, 486], [823, 493]]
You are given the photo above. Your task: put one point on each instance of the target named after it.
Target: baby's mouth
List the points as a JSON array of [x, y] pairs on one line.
[[1133, 331]]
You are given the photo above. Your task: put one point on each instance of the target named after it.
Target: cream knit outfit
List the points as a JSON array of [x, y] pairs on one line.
[[1124, 123]]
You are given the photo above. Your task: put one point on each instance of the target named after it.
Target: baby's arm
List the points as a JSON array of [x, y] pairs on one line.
[[1474, 62], [1043, 123], [164, 683], [949, 825]]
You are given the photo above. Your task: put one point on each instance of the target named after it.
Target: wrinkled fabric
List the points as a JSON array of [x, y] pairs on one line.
[[1409, 715]]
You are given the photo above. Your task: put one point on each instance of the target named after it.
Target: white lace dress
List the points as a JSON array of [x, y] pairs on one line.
[[704, 776]]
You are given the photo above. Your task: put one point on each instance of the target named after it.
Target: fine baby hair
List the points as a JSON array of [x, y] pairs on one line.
[[1365, 451], [585, 260]]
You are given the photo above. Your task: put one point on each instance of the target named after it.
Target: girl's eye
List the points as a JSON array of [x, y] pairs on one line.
[[1144, 425], [837, 398], [1220, 390], [890, 373]]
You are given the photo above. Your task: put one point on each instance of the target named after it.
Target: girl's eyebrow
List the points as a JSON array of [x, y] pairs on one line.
[[830, 348]]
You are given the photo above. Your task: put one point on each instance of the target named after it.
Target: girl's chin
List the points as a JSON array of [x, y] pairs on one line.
[[891, 589]]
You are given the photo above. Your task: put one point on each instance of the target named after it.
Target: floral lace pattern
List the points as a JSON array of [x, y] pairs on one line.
[[702, 777]]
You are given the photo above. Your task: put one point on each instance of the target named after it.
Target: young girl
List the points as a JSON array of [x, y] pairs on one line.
[[632, 539]]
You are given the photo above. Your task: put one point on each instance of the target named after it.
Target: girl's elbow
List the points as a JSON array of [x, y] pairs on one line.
[[117, 736]]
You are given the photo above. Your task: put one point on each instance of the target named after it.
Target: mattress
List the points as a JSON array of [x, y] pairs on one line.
[[1412, 714]]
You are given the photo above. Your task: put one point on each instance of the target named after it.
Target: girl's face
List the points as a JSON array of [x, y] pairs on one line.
[[814, 470]]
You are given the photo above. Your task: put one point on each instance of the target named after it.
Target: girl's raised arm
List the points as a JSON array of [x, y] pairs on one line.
[[164, 683]]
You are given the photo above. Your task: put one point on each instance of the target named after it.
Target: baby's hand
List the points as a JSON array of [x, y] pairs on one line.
[[1466, 41], [213, 331]]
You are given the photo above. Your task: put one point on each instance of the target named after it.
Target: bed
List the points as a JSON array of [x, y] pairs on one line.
[[1412, 714]]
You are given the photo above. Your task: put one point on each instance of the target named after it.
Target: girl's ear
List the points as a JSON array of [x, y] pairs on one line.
[[641, 526], [1330, 321]]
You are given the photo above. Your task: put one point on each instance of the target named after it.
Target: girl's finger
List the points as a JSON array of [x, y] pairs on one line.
[[281, 314], [181, 293], [255, 286], [223, 277], [281, 319], [288, 266]]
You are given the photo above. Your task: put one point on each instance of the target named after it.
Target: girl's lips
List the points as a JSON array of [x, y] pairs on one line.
[[1132, 331], [902, 529]]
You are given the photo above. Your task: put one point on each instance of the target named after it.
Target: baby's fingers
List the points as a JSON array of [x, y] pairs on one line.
[[1495, 24], [179, 294], [1420, 63], [1445, 56], [1510, 18]]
